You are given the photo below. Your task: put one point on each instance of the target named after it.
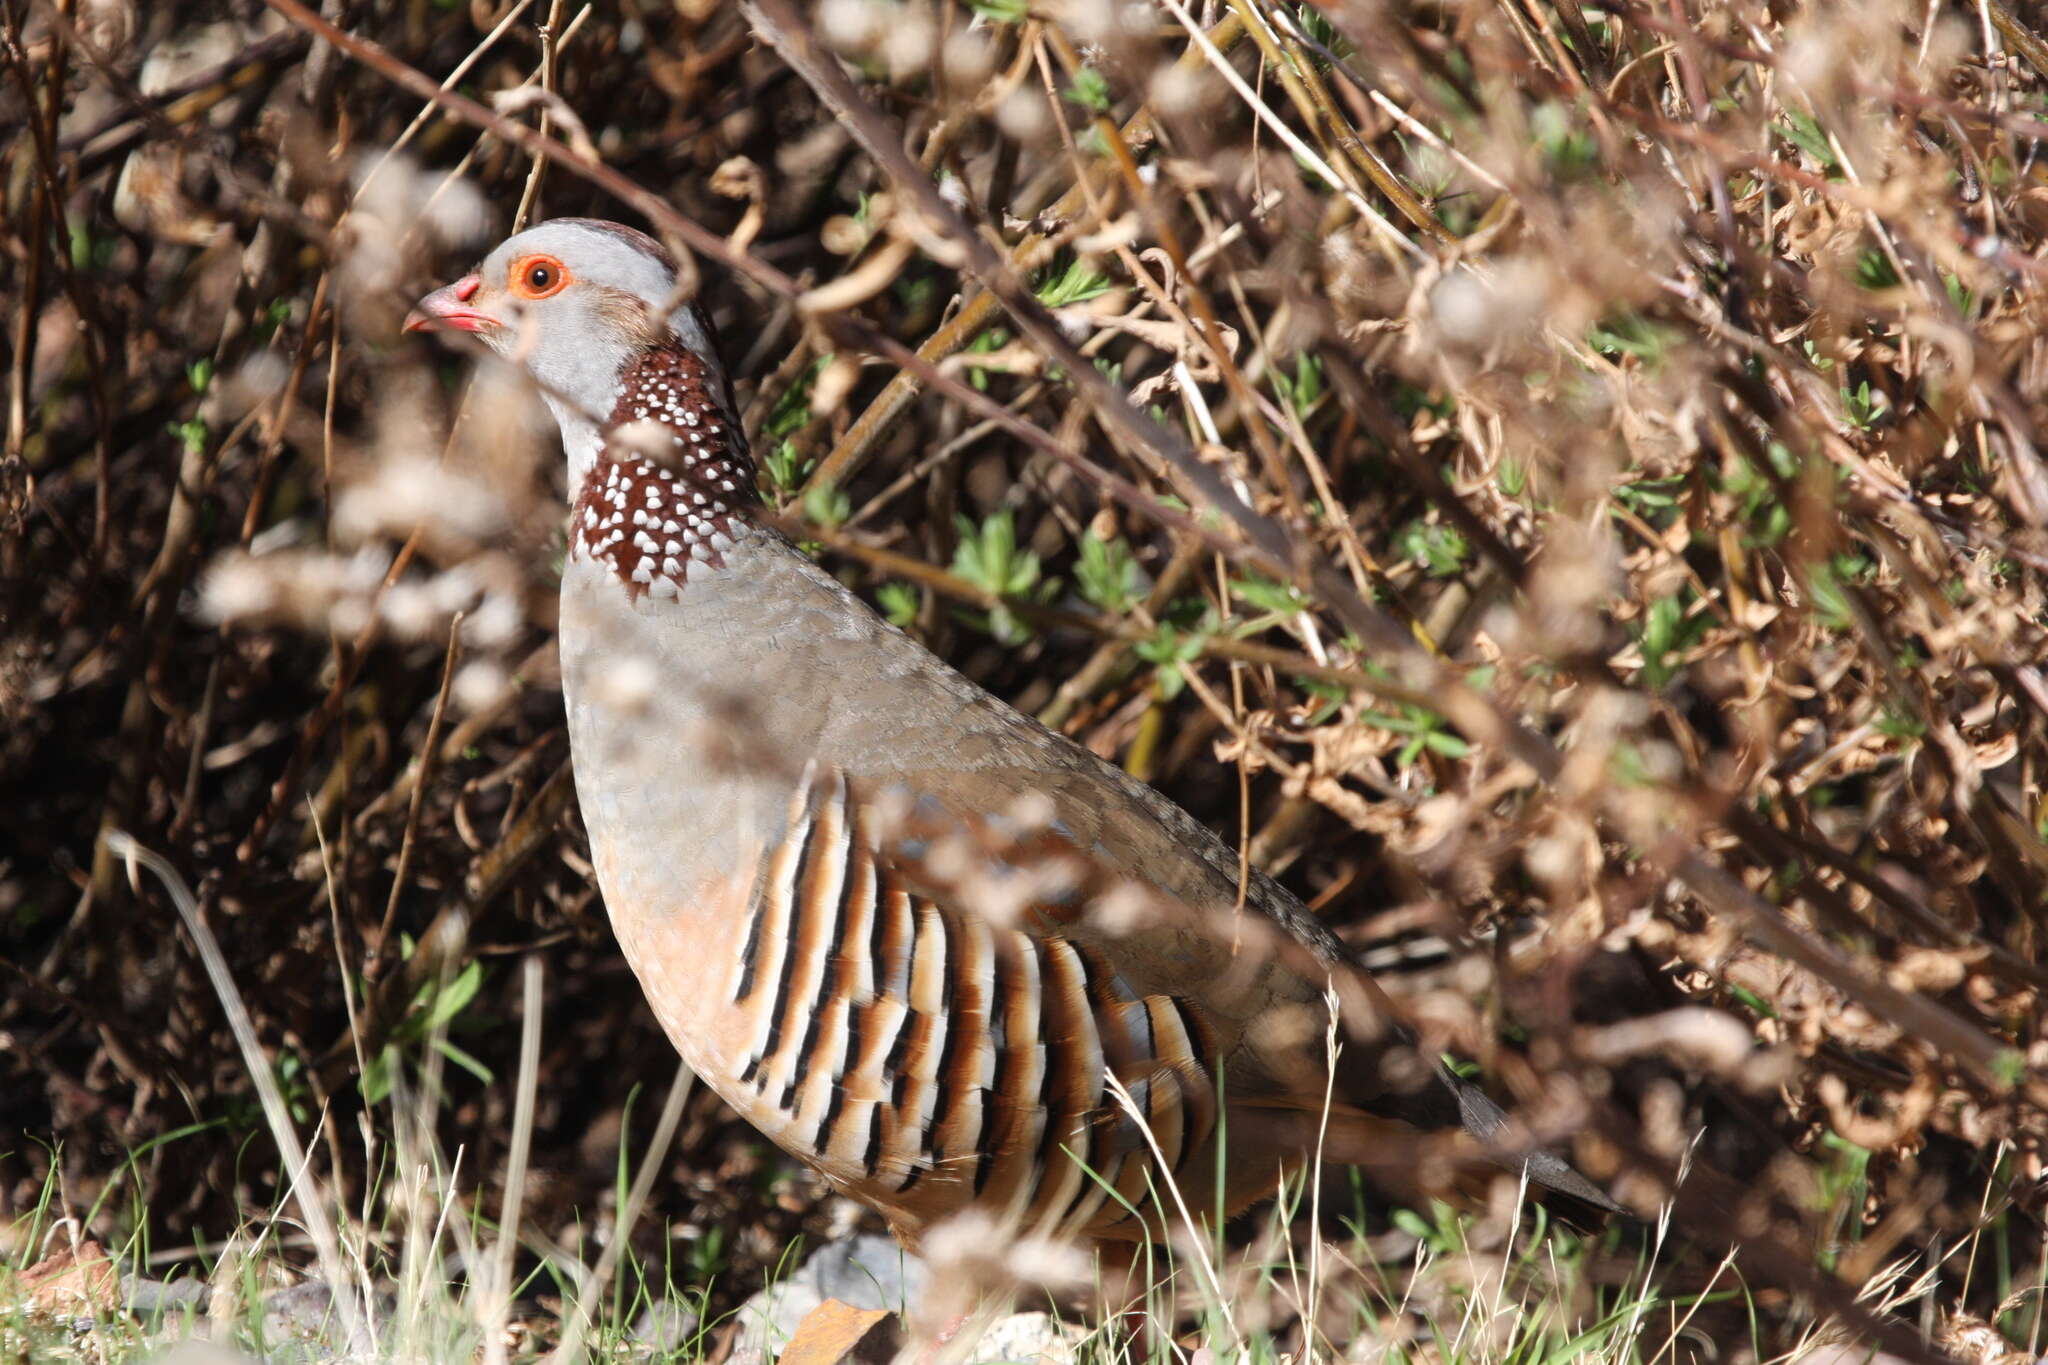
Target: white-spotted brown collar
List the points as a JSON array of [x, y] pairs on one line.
[[672, 483]]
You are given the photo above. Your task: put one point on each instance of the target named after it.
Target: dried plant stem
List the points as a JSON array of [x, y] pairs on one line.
[[429, 752], [652, 1162], [303, 1186], [316, 726], [1414, 667], [1312, 97], [453, 78], [497, 1303], [978, 309], [531, 194]]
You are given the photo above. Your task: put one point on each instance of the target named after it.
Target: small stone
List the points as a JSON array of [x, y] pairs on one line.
[[1029, 1339], [665, 1327], [147, 1298]]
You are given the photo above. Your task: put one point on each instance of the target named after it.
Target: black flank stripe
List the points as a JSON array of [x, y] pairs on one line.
[[1198, 1038], [871, 1156], [857, 881], [878, 935], [952, 1089], [856, 1029], [828, 990], [896, 1067], [861, 880], [1099, 991], [1101, 980], [750, 956], [781, 1005], [1058, 1027], [996, 1102], [835, 1109], [1093, 1179]]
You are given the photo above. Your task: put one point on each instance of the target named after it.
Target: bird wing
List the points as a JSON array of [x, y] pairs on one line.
[[1240, 951], [927, 1054]]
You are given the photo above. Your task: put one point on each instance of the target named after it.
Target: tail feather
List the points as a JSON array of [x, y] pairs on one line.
[[1452, 1159], [1486, 1121]]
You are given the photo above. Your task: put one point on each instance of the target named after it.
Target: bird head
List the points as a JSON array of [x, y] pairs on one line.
[[574, 301]]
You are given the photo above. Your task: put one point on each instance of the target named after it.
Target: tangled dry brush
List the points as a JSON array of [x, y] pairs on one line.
[[1561, 485]]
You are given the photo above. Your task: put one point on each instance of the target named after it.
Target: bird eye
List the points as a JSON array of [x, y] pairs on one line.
[[537, 277]]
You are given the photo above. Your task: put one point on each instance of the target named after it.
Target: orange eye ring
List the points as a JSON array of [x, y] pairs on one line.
[[538, 277]]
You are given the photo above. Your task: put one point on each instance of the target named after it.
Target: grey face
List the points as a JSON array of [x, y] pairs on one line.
[[572, 301]]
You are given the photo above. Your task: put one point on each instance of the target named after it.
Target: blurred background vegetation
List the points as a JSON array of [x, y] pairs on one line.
[[1656, 387]]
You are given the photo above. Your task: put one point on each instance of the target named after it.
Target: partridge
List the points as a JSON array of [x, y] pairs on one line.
[[767, 769]]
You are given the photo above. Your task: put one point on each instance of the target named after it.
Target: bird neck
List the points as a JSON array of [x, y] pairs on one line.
[[582, 441], [667, 489]]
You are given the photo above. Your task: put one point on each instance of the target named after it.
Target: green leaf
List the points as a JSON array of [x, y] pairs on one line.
[[1830, 603], [1568, 149], [1166, 651], [1280, 598], [1107, 574], [1089, 90], [1750, 1000], [1078, 282], [826, 505], [1864, 408], [463, 1059], [1669, 630], [1329, 697], [1632, 334], [899, 603], [1875, 271], [1805, 133], [1301, 389], [453, 998], [786, 468], [1964, 298], [989, 557], [377, 1073], [1514, 478], [1440, 549], [792, 411]]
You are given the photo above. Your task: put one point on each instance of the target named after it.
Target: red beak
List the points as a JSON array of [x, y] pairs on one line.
[[448, 306]]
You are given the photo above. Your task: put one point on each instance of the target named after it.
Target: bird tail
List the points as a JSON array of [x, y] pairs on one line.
[[1454, 1164], [1488, 1124]]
